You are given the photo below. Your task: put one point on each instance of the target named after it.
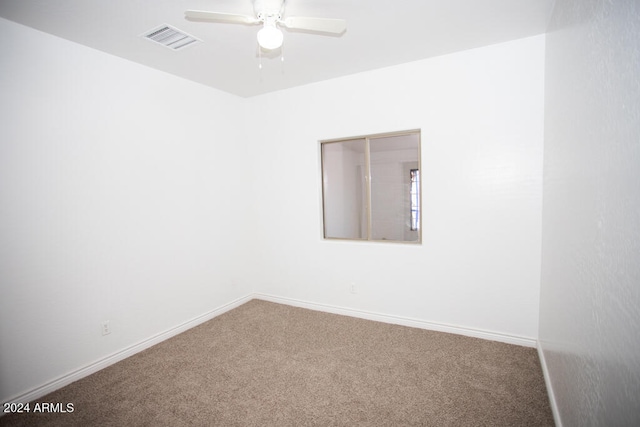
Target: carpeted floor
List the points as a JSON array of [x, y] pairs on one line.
[[266, 364]]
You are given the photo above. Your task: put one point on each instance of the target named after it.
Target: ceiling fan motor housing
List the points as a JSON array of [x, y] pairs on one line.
[[267, 6]]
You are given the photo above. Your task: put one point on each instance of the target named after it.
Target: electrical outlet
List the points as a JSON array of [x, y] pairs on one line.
[[353, 288], [106, 328]]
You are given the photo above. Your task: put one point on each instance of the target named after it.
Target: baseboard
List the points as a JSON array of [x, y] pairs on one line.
[[80, 373], [404, 321], [91, 368], [547, 381]]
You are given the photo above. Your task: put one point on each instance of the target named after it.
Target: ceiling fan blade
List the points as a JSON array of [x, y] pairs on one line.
[[222, 17], [324, 25]]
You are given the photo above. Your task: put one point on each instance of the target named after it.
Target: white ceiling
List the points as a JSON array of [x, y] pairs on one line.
[[379, 34]]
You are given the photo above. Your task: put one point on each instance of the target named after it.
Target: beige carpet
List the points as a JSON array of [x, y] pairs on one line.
[[266, 364]]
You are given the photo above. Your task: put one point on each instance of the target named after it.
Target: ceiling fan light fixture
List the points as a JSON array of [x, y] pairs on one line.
[[270, 37]]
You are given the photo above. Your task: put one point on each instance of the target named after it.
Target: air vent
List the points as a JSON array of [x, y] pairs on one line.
[[170, 37]]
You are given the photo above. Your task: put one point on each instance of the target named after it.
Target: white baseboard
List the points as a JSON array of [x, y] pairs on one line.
[[547, 381], [91, 368], [404, 321], [87, 370]]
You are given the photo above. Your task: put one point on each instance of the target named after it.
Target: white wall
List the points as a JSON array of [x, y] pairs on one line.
[[116, 204], [481, 115], [590, 291], [122, 198]]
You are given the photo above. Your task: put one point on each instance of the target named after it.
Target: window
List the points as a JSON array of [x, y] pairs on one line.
[[371, 187]]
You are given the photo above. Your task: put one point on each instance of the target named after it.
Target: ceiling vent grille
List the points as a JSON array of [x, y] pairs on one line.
[[170, 37]]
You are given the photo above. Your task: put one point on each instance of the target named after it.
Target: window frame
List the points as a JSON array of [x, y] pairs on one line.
[[367, 186]]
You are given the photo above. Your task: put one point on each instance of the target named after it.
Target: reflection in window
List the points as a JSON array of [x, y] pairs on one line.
[[414, 196]]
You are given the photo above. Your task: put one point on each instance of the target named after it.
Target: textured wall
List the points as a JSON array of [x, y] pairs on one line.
[[590, 292]]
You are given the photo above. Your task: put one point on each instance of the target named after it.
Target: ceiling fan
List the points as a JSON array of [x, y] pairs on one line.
[[270, 14]]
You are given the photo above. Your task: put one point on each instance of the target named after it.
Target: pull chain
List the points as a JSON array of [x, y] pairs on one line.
[[282, 59]]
